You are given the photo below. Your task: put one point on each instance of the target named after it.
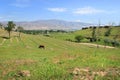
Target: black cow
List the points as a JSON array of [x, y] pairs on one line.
[[42, 46]]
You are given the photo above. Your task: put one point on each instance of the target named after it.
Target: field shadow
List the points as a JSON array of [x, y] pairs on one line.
[[5, 37]]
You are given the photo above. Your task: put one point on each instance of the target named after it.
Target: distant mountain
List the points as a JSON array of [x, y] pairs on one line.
[[51, 24]]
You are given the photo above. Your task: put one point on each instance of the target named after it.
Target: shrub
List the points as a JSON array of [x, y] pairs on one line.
[[84, 28], [90, 27], [106, 26], [47, 35], [115, 43], [68, 40], [94, 27], [79, 38], [93, 39], [112, 42], [108, 32], [107, 41]]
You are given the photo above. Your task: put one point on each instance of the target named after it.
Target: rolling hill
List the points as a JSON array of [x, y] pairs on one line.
[[88, 33], [58, 61]]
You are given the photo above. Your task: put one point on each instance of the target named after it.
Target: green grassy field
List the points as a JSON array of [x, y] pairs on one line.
[[56, 62], [88, 33]]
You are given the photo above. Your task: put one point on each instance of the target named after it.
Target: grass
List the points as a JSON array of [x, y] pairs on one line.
[[63, 36], [88, 33], [56, 62]]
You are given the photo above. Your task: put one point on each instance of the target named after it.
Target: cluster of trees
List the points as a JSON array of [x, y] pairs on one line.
[[96, 33], [10, 26], [111, 42], [35, 32], [84, 28], [96, 36]]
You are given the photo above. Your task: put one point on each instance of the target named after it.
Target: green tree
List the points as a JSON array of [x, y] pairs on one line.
[[20, 29], [79, 38], [108, 32], [98, 33], [93, 34], [10, 27]]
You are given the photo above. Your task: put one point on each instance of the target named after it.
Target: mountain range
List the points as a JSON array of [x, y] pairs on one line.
[[51, 24]]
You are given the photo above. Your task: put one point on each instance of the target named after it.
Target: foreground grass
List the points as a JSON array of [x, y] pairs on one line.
[[56, 62]]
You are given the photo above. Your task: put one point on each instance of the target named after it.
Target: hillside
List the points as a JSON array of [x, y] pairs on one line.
[[88, 33], [58, 61], [50, 24]]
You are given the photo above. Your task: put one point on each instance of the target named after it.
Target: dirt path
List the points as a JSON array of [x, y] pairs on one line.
[[3, 41], [91, 44]]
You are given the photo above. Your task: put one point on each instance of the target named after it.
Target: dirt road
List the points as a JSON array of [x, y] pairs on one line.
[[91, 44]]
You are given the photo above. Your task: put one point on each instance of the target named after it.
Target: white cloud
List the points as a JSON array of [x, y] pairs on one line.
[[57, 9], [88, 10], [21, 3]]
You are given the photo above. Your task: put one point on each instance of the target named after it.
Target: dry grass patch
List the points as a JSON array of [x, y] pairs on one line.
[[64, 57], [21, 62], [12, 65], [114, 57], [89, 74]]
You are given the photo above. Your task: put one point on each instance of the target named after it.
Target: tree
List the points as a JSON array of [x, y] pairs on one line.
[[79, 38], [116, 36], [93, 34], [108, 32], [10, 27], [19, 29], [98, 33], [1, 26]]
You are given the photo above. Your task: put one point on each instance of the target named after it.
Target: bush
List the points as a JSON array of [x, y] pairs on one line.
[[79, 38], [115, 43], [84, 28], [106, 26], [47, 35], [112, 42], [93, 39], [107, 41], [108, 32], [69, 40]]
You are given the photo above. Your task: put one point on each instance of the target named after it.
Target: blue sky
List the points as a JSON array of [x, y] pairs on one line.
[[90, 11]]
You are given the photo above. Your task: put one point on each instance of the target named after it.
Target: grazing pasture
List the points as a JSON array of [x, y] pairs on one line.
[[21, 59], [99, 35]]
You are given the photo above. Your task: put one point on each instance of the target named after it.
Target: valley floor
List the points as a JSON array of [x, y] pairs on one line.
[[21, 59]]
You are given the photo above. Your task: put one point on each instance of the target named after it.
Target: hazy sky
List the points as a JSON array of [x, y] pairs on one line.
[[71, 10]]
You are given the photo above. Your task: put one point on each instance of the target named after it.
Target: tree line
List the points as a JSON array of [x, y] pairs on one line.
[[96, 36], [36, 32]]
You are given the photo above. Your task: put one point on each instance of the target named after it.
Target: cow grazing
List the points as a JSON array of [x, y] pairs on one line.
[[42, 46]]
